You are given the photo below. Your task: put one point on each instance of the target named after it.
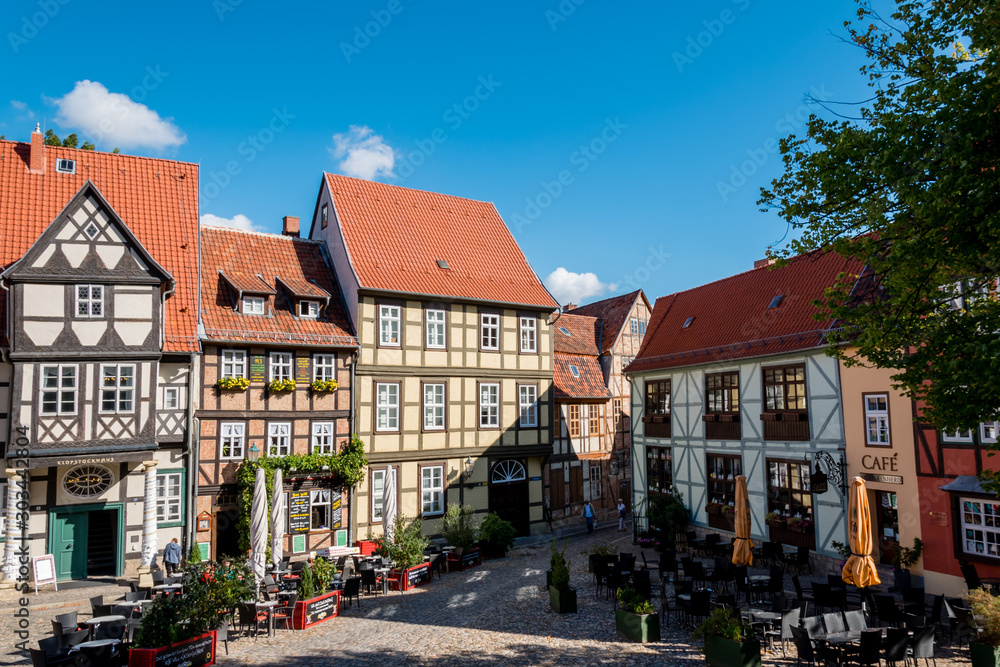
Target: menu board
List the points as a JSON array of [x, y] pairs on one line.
[[336, 514], [320, 609], [470, 558], [298, 512], [340, 538], [258, 369], [302, 370], [45, 570], [418, 575]]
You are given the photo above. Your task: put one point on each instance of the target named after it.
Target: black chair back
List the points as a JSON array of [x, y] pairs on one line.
[[135, 597], [918, 601], [352, 589], [870, 651], [888, 614], [971, 576], [813, 625], [701, 603], [642, 584], [68, 621], [626, 561], [936, 607], [912, 621], [833, 622], [789, 619], [51, 646], [803, 645], [96, 601], [368, 579], [922, 643], [71, 639], [856, 620], [896, 641], [38, 658]]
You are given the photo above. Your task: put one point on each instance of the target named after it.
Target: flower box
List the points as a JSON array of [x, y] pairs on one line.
[[411, 577], [562, 601], [308, 613], [367, 547], [660, 419], [709, 418], [722, 652], [769, 416], [713, 508], [192, 652], [642, 628], [469, 558]]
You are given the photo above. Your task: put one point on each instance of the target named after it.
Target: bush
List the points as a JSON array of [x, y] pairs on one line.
[[986, 615], [323, 571], [407, 546], [307, 584], [194, 555], [668, 514], [723, 622], [904, 558], [497, 532], [459, 526], [633, 601], [560, 568], [605, 548]]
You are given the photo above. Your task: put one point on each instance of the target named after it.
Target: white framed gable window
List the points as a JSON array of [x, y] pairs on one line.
[[433, 407], [378, 490], [234, 363], [171, 398], [279, 439], [231, 443], [58, 389], [309, 309], [980, 527], [169, 487], [322, 438], [253, 305], [432, 490], [281, 366], [528, 335], [388, 325], [489, 405], [90, 300], [877, 419], [435, 324], [387, 406], [527, 399], [117, 387], [489, 331], [324, 367], [634, 324]]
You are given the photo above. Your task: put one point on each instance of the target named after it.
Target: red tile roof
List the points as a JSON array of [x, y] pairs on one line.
[[241, 253], [302, 288], [732, 318], [157, 199], [250, 283], [395, 237], [614, 314], [581, 334], [590, 384]]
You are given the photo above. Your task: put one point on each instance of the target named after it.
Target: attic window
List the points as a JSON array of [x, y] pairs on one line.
[[91, 230], [253, 305], [776, 301], [687, 322], [309, 309], [66, 166], [442, 264], [574, 370], [565, 331]]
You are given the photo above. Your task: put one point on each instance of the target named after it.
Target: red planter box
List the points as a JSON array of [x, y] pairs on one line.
[[367, 547], [470, 558], [192, 652], [308, 613], [412, 577]]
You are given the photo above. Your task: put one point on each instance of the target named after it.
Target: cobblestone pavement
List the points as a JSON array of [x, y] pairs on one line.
[[495, 614]]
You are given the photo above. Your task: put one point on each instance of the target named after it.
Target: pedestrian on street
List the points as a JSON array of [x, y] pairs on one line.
[[588, 514], [621, 515], [172, 557]]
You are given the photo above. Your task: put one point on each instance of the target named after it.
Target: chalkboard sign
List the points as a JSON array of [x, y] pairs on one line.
[[420, 574], [337, 514], [193, 652], [298, 512], [470, 558], [45, 571], [258, 369], [340, 538], [302, 370], [317, 610]]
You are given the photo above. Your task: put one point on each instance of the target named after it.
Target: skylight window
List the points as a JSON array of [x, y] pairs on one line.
[[574, 370], [443, 264], [687, 322], [776, 301], [565, 331]]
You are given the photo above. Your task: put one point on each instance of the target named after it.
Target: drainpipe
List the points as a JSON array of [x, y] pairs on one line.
[[352, 521], [191, 454]]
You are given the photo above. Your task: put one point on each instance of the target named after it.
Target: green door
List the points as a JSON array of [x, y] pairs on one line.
[[69, 545]]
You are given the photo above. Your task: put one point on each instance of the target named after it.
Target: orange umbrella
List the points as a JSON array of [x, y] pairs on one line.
[[859, 568], [743, 549]]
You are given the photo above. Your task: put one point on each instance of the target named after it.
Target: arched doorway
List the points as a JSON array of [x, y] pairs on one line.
[[509, 493]]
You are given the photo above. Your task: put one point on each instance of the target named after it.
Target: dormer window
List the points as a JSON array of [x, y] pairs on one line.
[[66, 166], [309, 309], [253, 305]]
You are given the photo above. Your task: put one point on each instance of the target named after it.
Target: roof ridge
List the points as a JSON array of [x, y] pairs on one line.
[[403, 187], [270, 235], [97, 152]]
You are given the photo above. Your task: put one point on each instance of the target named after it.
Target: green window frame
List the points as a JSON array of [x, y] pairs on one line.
[[183, 496]]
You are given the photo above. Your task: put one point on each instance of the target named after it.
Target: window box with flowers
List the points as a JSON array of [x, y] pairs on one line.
[[277, 386], [322, 386], [798, 524], [233, 383], [714, 508]]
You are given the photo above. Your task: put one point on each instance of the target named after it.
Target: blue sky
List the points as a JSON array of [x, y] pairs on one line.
[[610, 136]]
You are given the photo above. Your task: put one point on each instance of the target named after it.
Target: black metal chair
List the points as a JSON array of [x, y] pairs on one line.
[[888, 612], [789, 620], [801, 597], [934, 618], [285, 611], [922, 644], [601, 569], [870, 648], [368, 581], [352, 590], [856, 620], [701, 606], [804, 648], [897, 640], [626, 561]]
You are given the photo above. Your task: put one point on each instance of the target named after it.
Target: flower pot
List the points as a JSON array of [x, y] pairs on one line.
[[642, 628], [722, 652], [903, 579], [194, 652], [548, 578], [562, 601], [984, 655], [367, 547], [320, 608]]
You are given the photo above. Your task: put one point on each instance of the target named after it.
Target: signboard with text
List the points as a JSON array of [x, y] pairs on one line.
[[298, 512], [258, 369], [302, 370]]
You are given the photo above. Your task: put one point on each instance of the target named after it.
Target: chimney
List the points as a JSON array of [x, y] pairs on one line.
[[36, 163], [290, 226], [763, 262], [569, 306]]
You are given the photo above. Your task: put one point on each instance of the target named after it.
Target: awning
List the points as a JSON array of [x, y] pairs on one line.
[[110, 458], [965, 484]]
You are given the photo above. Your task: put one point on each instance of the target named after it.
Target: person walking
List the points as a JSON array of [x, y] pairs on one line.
[[588, 514], [621, 515], [172, 557]]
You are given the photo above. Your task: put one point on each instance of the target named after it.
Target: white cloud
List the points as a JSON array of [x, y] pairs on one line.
[[363, 154], [22, 107], [114, 119], [238, 221], [569, 287]]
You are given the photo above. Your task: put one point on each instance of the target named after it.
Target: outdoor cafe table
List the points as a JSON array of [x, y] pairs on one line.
[[168, 588], [95, 622], [95, 643], [269, 606], [135, 606]]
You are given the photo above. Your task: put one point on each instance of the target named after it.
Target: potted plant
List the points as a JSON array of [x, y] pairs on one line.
[[903, 558], [406, 551], [727, 510], [496, 535], [669, 516], [985, 650], [796, 523], [321, 386], [635, 617], [713, 508], [233, 383], [562, 598], [276, 386], [460, 528], [315, 604], [729, 641], [605, 549]]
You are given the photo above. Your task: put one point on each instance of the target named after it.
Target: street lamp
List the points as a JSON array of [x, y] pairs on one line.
[[254, 451]]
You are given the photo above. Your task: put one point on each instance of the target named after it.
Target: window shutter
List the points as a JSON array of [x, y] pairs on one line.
[[576, 484], [558, 489]]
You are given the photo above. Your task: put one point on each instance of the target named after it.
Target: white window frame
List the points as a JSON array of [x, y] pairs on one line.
[[171, 398], [879, 418], [64, 166], [90, 301], [253, 305], [234, 364], [169, 507], [489, 405], [281, 366], [634, 326], [378, 488], [436, 329], [434, 408], [527, 404], [595, 480], [279, 438], [528, 335], [233, 436], [61, 390], [956, 436], [321, 498], [122, 395], [387, 406], [489, 331], [986, 439], [322, 438], [431, 490], [324, 367], [988, 526], [389, 325], [308, 309]]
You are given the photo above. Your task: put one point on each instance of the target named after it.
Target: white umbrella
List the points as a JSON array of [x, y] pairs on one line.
[[277, 520], [389, 502], [258, 527]]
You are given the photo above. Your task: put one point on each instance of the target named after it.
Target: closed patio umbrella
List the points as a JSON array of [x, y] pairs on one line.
[[258, 527], [743, 548], [277, 520], [389, 502], [859, 568]]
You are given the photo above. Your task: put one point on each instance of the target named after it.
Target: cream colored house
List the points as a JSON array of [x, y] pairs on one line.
[[453, 383]]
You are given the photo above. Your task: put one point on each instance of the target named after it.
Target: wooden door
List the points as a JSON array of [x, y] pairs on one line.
[[509, 494], [69, 544]]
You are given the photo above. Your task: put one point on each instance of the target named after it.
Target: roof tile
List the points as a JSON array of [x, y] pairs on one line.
[[589, 384]]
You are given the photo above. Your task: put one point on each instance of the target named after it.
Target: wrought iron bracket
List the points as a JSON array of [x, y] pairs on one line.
[[836, 470]]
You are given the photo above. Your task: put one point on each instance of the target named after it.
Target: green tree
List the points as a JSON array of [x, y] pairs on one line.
[[910, 189], [51, 139], [71, 141], [87, 146]]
